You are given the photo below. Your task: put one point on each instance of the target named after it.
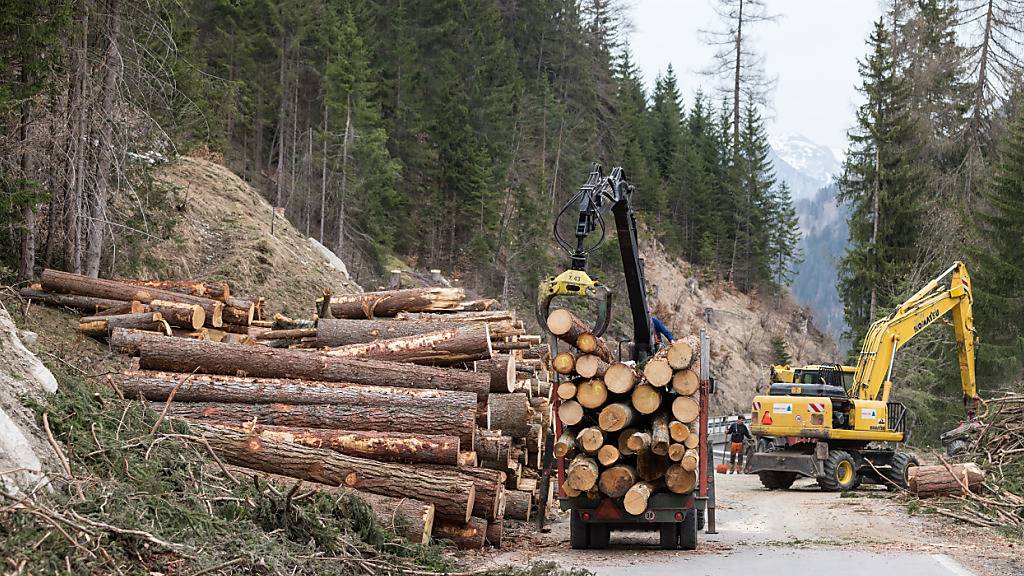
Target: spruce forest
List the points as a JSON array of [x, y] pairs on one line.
[[448, 134]]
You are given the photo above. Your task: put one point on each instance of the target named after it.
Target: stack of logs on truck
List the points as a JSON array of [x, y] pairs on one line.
[[401, 395], [626, 433]]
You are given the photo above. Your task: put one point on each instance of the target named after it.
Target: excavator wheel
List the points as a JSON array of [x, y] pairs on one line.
[[840, 472], [901, 463], [775, 480]]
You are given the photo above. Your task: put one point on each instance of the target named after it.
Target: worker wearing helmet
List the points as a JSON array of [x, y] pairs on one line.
[[736, 434]]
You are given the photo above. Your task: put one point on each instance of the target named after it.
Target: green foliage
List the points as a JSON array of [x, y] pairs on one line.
[[780, 354]]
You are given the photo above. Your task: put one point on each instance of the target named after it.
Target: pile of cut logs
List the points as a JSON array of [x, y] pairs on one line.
[[402, 395], [625, 433]]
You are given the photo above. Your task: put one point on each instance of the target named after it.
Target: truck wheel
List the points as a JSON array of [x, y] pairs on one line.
[[688, 531], [579, 537], [701, 514], [600, 534], [775, 480], [840, 472], [669, 535], [900, 464]]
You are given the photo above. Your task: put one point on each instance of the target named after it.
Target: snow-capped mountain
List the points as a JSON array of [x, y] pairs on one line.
[[805, 165], [809, 169]]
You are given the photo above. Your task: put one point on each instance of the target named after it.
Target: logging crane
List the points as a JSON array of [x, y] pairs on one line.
[[678, 517], [837, 424]]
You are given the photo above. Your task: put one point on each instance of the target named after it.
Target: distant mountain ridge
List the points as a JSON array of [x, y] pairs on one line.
[[810, 169]]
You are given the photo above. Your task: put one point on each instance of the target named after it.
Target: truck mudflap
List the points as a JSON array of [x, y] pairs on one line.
[[662, 507], [781, 461]]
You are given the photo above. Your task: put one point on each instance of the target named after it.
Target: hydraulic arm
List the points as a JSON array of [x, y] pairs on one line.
[[887, 335]]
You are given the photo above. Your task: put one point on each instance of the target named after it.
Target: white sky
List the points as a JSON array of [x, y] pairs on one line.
[[812, 51]]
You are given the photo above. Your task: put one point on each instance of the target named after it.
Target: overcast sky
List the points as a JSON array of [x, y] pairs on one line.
[[812, 51]]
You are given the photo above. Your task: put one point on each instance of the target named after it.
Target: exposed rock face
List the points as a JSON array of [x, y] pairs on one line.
[[25, 454]]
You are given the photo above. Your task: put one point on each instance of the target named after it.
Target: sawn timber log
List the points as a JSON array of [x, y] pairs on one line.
[[452, 494], [441, 348], [391, 302], [208, 357]]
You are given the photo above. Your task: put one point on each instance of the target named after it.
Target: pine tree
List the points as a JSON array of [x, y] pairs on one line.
[[754, 178], [784, 252], [882, 182], [780, 353], [998, 266]]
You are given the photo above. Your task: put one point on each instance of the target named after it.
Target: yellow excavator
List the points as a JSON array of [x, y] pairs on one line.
[[836, 423]]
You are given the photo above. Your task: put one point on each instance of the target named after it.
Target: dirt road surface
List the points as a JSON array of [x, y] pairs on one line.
[[801, 530]]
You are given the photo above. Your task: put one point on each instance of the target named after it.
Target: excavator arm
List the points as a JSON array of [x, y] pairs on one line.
[[872, 380]]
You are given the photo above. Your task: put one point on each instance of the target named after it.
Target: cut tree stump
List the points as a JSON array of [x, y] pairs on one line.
[[102, 326], [428, 420], [179, 355], [442, 348], [385, 446], [451, 494], [928, 481], [391, 302]]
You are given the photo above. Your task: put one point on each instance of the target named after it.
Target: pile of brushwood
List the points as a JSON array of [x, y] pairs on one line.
[[997, 501]]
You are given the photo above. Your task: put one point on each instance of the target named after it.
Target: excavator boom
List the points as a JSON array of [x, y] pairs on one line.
[[886, 336]]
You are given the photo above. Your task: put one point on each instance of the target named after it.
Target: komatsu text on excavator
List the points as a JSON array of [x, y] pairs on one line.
[[836, 423]]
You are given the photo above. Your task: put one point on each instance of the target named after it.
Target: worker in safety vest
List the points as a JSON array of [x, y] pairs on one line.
[[736, 434]]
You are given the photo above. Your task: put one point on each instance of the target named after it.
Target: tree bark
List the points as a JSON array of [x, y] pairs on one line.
[[518, 504], [495, 533], [660, 438], [102, 326], [127, 340], [470, 535], [565, 446], [428, 420], [509, 413], [345, 331], [492, 446], [451, 494], [690, 460], [260, 361], [443, 348], [133, 307], [482, 316], [928, 481], [391, 302], [66, 282], [490, 490], [212, 290], [88, 304], [401, 447], [290, 334], [502, 370]]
